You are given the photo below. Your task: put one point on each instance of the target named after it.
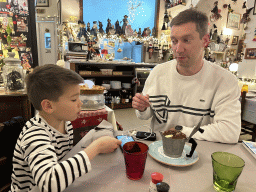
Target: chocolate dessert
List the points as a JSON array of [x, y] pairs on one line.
[[133, 147], [174, 134]]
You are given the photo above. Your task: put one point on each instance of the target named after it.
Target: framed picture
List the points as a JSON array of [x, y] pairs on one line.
[[233, 21], [234, 40], [254, 11], [250, 53], [42, 3]]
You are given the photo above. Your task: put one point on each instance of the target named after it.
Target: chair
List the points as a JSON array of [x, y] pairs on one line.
[[9, 133], [246, 127]]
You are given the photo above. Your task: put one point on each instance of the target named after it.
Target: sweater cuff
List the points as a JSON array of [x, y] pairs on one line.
[[143, 115], [87, 161]]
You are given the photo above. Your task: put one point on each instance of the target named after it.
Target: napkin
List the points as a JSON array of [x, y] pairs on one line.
[[103, 129]]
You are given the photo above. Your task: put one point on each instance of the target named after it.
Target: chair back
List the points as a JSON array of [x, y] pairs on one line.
[[243, 96]]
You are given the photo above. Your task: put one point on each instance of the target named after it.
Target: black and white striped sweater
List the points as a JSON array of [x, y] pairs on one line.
[[37, 158]]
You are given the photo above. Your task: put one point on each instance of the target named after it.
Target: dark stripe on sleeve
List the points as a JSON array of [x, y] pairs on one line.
[[78, 166], [85, 165], [50, 184], [58, 180], [72, 170], [65, 174]]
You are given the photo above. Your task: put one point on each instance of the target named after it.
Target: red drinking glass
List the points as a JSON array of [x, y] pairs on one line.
[[135, 155]]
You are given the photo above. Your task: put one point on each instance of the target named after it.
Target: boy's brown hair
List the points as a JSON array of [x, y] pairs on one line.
[[49, 82], [194, 16]]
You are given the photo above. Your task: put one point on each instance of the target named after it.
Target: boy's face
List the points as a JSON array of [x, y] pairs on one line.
[[68, 106]]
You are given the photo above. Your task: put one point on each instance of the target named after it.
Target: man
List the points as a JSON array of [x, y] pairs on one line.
[[185, 89]]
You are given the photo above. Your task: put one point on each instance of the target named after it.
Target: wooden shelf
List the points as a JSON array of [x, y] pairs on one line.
[[89, 76], [121, 105], [119, 89]]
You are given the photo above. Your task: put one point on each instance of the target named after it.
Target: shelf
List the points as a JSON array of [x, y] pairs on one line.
[[89, 76], [216, 52], [120, 89], [121, 105]]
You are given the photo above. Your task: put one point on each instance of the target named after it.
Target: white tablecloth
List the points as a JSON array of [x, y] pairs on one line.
[[108, 171]]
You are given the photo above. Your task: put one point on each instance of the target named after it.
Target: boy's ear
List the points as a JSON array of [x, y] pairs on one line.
[[47, 106]]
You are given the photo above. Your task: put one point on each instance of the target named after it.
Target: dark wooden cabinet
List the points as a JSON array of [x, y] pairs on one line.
[[14, 104]]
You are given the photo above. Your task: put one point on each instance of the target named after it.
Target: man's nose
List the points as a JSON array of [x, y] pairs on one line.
[[179, 47]]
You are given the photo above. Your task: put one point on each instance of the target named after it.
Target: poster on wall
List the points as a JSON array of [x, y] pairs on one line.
[[22, 24]]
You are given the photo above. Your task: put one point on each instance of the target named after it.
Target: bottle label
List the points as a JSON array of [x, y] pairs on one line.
[[152, 187]]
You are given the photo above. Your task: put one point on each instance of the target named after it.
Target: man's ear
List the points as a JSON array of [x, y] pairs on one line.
[[47, 106], [206, 40]]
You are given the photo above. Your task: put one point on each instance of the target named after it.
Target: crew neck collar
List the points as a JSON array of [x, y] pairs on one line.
[[187, 78]]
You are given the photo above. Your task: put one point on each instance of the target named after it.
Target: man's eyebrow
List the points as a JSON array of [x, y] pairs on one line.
[[184, 36]]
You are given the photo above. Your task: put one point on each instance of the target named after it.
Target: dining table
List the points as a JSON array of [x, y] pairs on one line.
[[108, 170]]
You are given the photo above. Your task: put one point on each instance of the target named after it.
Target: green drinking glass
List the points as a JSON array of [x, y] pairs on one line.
[[227, 167]]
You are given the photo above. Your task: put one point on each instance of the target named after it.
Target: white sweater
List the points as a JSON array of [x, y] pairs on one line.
[[182, 100], [37, 158]]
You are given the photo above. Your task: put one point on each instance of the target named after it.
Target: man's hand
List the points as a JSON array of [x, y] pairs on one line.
[[140, 102]]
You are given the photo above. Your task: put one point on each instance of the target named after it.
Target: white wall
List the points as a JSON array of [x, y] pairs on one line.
[[50, 11], [247, 68], [68, 8]]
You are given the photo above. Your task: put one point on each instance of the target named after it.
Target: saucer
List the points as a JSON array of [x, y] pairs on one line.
[[156, 152]]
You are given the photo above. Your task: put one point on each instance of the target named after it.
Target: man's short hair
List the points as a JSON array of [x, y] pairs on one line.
[[194, 16], [49, 82]]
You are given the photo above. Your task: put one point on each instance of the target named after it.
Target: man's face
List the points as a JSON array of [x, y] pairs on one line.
[[186, 44]]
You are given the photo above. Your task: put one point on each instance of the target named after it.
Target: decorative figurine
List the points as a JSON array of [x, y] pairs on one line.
[[125, 23], [148, 31], [82, 30], [88, 28], [112, 30], [154, 32], [101, 28], [94, 29], [128, 31], [118, 28], [139, 33], [108, 25], [144, 34]]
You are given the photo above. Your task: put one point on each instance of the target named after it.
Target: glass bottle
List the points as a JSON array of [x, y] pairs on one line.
[[13, 74], [155, 178]]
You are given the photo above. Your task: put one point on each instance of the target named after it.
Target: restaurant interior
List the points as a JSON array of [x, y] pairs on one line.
[[115, 44]]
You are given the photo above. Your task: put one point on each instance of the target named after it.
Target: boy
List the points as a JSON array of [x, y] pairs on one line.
[[48, 137]]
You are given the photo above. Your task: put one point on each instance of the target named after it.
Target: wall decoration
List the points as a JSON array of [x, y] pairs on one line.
[[26, 59], [42, 3], [22, 24], [250, 53], [234, 40], [233, 21], [254, 10]]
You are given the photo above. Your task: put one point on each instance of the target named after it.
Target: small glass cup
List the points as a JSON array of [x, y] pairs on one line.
[[135, 161], [227, 167]]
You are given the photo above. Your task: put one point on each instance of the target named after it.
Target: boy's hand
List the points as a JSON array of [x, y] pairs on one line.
[[107, 144], [140, 102], [104, 144]]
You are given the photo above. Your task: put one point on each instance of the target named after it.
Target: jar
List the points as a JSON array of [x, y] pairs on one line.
[[13, 74]]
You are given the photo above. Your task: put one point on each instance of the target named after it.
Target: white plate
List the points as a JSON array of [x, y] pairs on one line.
[[157, 153]]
